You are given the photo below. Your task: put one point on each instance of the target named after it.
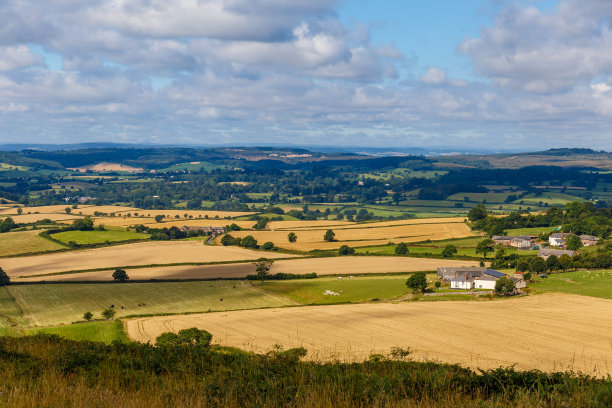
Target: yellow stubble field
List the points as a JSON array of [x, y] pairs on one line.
[[145, 253], [361, 234], [348, 265], [551, 332]]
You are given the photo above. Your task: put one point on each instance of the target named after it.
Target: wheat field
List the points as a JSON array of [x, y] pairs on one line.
[[551, 332]]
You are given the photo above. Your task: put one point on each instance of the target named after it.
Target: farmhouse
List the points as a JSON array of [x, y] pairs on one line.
[[588, 240], [470, 278], [205, 230], [558, 239], [546, 252], [449, 273]]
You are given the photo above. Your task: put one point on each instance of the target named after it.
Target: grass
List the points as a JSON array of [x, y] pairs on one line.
[[25, 242], [103, 332], [358, 289], [98, 237], [548, 197], [530, 231], [10, 315], [55, 304], [490, 198], [596, 283]]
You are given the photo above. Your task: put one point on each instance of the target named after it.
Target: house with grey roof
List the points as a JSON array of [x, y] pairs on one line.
[[546, 252], [588, 240]]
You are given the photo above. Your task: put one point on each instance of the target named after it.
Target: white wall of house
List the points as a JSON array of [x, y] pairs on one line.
[[484, 284], [461, 285]]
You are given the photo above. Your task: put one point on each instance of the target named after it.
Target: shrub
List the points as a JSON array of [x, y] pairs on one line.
[[346, 250], [268, 246], [401, 249]]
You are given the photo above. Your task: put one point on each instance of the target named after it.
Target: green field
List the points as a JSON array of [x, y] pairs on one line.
[[98, 237], [25, 242], [548, 197], [55, 304], [104, 332], [596, 283], [358, 289], [482, 197], [530, 231], [193, 166], [10, 315]]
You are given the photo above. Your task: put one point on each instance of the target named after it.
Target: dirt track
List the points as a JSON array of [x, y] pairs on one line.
[[551, 332]]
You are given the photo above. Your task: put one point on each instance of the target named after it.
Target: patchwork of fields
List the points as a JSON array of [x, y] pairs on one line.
[[531, 332]]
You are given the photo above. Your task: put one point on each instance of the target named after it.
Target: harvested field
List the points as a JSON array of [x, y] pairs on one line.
[[172, 222], [25, 218], [362, 235], [146, 253], [46, 209], [22, 242], [290, 225], [346, 265], [181, 213], [551, 332], [108, 167]]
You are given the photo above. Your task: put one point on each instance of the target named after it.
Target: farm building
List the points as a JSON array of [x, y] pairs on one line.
[[546, 252], [558, 239], [452, 272], [519, 241], [588, 240], [470, 278], [205, 230]]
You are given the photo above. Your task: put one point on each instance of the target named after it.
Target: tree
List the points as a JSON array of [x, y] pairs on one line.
[[477, 213], [184, 338], [329, 236], [449, 251], [504, 286], [262, 268], [522, 266], [159, 218], [108, 314], [527, 276], [68, 210], [85, 224], [88, 316], [552, 263], [417, 281], [538, 265], [346, 250], [249, 242], [292, 237], [20, 211], [261, 223], [565, 262], [120, 275], [401, 249], [437, 284], [268, 246], [573, 242], [485, 246], [4, 278]]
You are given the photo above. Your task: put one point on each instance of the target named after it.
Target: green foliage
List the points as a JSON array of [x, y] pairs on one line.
[[437, 284], [552, 263], [85, 224], [401, 249], [417, 281], [262, 268], [159, 218], [87, 316], [346, 250], [477, 213], [7, 224], [185, 338], [449, 251], [249, 242], [504, 286], [565, 262], [538, 265], [120, 275], [292, 237], [261, 223], [329, 236], [108, 313], [485, 246], [268, 246], [68, 210], [573, 242], [4, 278], [232, 227], [230, 240]]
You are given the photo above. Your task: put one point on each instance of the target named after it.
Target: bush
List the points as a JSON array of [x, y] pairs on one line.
[[292, 237], [249, 242], [449, 251], [329, 236], [120, 275], [417, 281], [401, 249], [268, 246], [504, 286], [346, 250], [184, 338]]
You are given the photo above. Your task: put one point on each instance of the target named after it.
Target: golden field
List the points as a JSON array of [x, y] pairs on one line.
[[26, 218], [347, 265], [551, 332], [318, 224], [22, 242], [361, 235], [145, 253]]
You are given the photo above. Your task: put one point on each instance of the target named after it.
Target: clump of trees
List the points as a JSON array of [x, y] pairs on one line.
[[7, 224], [449, 251], [401, 249], [120, 275], [192, 337], [504, 286], [346, 250], [417, 282]]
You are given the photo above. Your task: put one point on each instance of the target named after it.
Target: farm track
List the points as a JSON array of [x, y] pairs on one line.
[[551, 332]]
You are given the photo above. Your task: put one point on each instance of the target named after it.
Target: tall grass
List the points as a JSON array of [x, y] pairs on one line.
[[45, 370]]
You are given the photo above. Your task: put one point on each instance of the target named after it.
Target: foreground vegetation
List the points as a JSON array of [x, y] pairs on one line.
[[47, 371]]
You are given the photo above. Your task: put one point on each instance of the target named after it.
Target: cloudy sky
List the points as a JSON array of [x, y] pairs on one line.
[[471, 73]]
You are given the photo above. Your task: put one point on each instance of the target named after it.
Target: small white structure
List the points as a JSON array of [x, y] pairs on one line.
[[485, 282], [558, 239], [461, 282]]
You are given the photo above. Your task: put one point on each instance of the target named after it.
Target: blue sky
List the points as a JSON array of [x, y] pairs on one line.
[[488, 73]]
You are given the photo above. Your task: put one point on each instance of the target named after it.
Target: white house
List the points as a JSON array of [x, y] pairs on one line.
[[485, 282]]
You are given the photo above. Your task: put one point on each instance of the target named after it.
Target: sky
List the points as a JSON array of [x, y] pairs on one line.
[[481, 74]]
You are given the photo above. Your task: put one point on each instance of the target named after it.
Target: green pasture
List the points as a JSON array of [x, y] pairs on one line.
[[548, 197], [104, 332], [358, 289], [98, 237], [7, 167], [529, 231], [596, 283], [482, 197], [193, 166], [55, 304], [25, 242], [10, 315]]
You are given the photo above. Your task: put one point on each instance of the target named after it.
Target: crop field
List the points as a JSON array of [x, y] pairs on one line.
[[145, 253], [104, 332], [49, 305], [531, 332], [294, 225], [10, 315], [22, 242], [480, 197], [98, 237], [181, 213], [26, 218], [346, 265], [550, 198], [596, 283], [362, 235]]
